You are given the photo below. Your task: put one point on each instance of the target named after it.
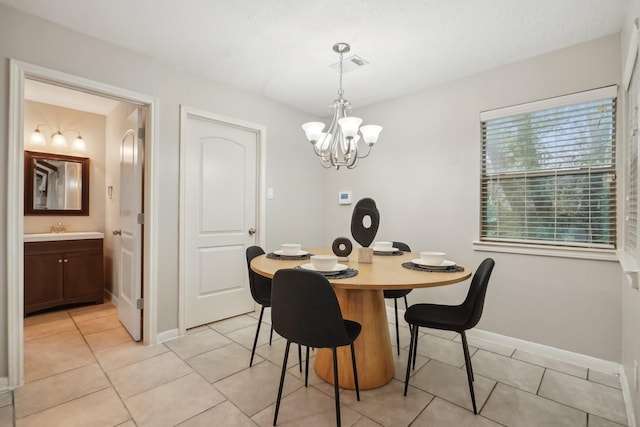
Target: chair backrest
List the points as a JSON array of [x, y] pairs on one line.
[[260, 286], [402, 246], [305, 310], [474, 302]]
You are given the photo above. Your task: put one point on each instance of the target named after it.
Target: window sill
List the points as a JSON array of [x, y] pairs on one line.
[[542, 250], [628, 262]]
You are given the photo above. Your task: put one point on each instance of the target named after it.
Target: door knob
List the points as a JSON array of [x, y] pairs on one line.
[[252, 231], [117, 232]]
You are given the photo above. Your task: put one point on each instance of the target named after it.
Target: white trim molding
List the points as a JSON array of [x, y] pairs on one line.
[[632, 53], [544, 250], [18, 72]]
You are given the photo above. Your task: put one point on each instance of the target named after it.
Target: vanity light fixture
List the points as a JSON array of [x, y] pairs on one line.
[[58, 139], [338, 146]]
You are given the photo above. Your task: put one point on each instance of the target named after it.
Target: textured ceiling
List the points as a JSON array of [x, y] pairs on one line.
[[281, 49]]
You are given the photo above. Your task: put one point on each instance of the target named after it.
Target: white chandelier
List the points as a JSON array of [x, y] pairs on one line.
[[338, 146]]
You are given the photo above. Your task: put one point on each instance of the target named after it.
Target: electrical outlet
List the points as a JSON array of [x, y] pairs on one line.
[[270, 193]]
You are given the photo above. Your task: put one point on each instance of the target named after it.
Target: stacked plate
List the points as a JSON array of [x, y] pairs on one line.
[[282, 254], [335, 270], [442, 266], [386, 250]]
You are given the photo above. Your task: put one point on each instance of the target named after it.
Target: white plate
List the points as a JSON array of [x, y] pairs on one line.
[[385, 250], [300, 253], [446, 263], [337, 269]]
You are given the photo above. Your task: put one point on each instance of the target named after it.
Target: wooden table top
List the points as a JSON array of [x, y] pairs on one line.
[[385, 272]]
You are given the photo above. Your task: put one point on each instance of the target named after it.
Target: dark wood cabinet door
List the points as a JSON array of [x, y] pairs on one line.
[[43, 278], [58, 273], [83, 274]]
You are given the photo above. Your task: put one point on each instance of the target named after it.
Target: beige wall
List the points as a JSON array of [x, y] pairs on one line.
[[92, 127], [428, 196], [293, 215]]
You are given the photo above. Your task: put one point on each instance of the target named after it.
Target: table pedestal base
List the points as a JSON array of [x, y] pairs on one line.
[[374, 357]]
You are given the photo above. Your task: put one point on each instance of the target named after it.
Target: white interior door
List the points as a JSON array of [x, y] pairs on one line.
[[130, 248], [219, 217]]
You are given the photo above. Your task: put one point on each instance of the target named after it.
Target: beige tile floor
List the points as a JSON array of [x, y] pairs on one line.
[[82, 369]]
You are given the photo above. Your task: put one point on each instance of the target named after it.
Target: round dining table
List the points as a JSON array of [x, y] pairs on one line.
[[361, 299]]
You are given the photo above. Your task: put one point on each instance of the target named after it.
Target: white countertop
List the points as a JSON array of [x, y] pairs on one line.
[[74, 235]]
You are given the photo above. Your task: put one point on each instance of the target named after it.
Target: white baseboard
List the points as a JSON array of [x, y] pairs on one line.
[[547, 351], [167, 335], [557, 354], [539, 349], [113, 298], [628, 398]]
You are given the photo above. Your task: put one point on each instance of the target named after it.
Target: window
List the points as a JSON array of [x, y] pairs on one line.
[[548, 172]]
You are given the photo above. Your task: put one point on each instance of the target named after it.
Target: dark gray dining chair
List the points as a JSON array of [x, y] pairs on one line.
[[458, 318], [398, 293], [260, 287], [305, 310]]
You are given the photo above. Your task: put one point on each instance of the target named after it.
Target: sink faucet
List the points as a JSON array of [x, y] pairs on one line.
[[58, 228]]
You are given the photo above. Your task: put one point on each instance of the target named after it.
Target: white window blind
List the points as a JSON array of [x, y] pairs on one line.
[[548, 172]]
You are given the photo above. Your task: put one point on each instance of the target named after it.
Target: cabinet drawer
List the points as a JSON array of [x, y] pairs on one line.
[[66, 246]]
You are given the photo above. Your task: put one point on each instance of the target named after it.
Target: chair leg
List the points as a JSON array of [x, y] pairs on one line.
[[271, 335], [467, 363], [467, 356], [395, 305], [415, 346], [284, 370], [355, 372], [412, 343], [255, 340], [335, 385], [306, 369], [406, 307]]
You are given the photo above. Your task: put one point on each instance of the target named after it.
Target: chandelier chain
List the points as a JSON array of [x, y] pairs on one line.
[[340, 91]]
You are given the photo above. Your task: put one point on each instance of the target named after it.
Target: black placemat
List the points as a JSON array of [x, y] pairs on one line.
[[344, 274], [450, 269], [272, 255], [382, 253]]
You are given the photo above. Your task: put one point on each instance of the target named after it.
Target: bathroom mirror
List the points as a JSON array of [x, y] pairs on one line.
[[55, 184]]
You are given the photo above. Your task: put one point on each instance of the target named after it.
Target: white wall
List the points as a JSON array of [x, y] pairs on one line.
[[424, 176], [92, 127], [294, 213]]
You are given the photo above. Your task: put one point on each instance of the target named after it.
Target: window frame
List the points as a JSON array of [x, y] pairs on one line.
[[547, 249]]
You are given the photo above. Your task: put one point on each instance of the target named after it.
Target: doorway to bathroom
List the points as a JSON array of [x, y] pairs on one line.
[[121, 160]]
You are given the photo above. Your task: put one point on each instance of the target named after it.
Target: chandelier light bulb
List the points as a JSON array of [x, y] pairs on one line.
[[350, 126], [370, 133], [313, 130]]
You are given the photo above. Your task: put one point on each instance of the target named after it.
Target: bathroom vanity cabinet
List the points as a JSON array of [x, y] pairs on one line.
[[60, 272]]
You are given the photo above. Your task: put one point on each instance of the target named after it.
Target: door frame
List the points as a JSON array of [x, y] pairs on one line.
[[18, 72], [261, 161]]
